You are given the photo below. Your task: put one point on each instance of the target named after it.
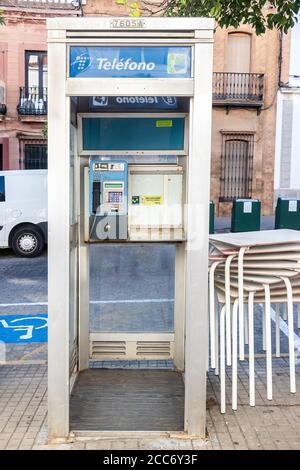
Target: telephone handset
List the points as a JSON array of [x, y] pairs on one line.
[[96, 196]]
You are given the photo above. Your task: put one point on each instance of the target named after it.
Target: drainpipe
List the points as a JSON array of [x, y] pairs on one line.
[[280, 59]]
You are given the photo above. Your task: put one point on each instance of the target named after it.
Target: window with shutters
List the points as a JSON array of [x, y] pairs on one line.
[[239, 52], [236, 166], [33, 154]]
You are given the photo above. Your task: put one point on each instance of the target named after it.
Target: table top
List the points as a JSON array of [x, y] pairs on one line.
[[263, 237]]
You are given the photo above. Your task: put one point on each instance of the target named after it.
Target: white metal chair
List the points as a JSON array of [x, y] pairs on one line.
[[241, 276]]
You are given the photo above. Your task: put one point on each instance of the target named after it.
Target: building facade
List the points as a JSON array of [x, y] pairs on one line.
[[287, 155], [23, 81], [247, 73]]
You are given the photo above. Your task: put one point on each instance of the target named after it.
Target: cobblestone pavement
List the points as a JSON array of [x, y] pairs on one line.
[[23, 405], [269, 425]]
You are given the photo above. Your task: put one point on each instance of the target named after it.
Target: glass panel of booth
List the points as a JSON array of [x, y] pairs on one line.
[[147, 133], [133, 133], [73, 254]]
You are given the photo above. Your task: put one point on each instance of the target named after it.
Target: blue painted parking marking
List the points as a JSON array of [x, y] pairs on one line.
[[24, 328]]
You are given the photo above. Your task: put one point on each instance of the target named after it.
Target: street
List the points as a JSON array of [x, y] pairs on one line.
[[131, 289]]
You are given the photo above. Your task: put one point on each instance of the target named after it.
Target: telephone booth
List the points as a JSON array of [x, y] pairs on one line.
[[129, 130]]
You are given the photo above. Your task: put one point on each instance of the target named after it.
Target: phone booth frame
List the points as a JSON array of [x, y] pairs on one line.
[[68, 268]]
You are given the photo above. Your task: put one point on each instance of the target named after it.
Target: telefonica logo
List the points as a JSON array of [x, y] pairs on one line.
[[82, 62], [122, 64]]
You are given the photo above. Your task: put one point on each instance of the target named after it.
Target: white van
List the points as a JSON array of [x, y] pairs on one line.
[[23, 211]]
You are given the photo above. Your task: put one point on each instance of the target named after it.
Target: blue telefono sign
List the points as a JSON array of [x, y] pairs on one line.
[[141, 102], [130, 62]]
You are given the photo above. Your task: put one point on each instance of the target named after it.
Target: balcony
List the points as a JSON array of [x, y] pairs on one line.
[[238, 90], [32, 104]]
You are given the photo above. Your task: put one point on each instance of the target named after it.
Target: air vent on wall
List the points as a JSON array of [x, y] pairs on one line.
[[108, 348], [153, 348]]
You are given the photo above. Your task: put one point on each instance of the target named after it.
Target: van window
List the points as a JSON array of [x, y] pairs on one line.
[[2, 189]]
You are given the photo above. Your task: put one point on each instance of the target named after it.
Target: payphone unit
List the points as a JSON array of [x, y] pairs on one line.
[[134, 202], [108, 200]]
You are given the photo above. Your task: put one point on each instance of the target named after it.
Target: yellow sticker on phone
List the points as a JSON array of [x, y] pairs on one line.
[[152, 200]]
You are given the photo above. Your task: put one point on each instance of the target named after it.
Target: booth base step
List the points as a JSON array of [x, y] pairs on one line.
[[127, 400]]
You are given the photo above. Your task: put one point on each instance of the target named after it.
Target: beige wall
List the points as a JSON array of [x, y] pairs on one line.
[[104, 8], [264, 59]]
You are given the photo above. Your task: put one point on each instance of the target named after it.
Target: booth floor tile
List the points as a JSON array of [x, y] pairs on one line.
[[127, 400]]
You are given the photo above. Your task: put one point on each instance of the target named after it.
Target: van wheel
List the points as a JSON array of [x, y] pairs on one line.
[[27, 241]]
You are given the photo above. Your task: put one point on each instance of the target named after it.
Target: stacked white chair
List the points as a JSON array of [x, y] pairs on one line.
[[247, 268]]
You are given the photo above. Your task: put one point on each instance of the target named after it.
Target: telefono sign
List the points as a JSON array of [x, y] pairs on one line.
[[147, 102], [130, 62]]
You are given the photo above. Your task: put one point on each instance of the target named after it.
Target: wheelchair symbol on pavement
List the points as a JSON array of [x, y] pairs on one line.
[[24, 324]]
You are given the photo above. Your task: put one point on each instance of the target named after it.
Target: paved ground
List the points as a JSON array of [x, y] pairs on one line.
[[270, 425], [139, 274]]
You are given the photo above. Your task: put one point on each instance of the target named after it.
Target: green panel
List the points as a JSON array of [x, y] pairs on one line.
[[245, 216], [287, 213], [211, 217], [107, 133]]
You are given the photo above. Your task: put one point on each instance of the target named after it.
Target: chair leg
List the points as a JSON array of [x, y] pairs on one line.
[[222, 360], [234, 354], [264, 329], [228, 309], [284, 312], [290, 313], [217, 339], [277, 330], [246, 325], [268, 342], [251, 349], [212, 314], [241, 302]]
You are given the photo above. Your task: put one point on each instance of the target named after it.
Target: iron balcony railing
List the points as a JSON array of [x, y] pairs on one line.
[[238, 88], [32, 101]]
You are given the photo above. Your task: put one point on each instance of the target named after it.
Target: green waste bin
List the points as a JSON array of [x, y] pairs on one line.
[[287, 214], [245, 215], [211, 217]]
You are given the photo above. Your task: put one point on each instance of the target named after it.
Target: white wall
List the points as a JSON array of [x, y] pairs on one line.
[[287, 149], [295, 160], [287, 140], [295, 55], [278, 141]]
